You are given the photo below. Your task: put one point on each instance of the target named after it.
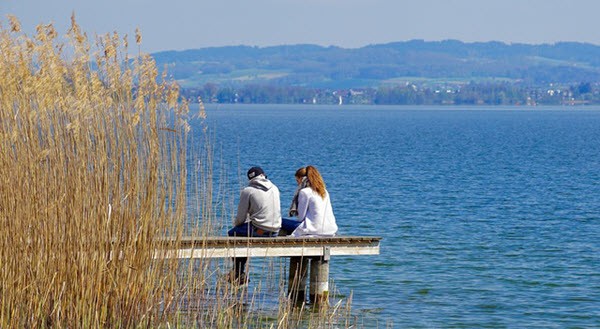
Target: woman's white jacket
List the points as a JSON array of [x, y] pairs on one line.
[[315, 213]]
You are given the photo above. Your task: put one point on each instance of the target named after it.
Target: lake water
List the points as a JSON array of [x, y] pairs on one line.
[[490, 217]]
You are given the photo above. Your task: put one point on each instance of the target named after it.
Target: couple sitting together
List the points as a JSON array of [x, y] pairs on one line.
[[259, 211]]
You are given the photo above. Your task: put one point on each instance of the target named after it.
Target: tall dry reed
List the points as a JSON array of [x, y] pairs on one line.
[[92, 171], [93, 177]]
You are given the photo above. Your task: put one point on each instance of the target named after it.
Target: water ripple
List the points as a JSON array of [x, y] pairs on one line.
[[490, 219]]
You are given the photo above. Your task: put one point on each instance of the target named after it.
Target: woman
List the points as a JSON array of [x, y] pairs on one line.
[[315, 213]]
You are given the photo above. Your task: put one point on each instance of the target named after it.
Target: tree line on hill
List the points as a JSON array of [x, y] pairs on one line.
[[411, 72], [409, 94]]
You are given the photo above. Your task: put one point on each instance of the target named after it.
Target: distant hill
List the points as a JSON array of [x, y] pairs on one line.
[[384, 64]]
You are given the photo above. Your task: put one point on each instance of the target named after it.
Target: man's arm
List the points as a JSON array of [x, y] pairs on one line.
[[242, 211]]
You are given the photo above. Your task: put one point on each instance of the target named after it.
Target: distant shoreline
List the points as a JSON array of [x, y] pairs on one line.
[[449, 106], [283, 106], [414, 72]]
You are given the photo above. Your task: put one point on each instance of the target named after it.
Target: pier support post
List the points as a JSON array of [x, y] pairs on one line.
[[297, 279], [319, 281]]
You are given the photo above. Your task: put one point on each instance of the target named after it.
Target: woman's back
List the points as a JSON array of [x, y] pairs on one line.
[[316, 214]]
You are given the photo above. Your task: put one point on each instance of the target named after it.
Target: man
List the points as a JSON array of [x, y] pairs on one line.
[[258, 215]]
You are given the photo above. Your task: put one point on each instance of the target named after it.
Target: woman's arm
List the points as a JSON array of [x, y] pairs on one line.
[[303, 198]]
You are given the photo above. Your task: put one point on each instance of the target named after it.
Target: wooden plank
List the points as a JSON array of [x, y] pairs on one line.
[[286, 240], [220, 247]]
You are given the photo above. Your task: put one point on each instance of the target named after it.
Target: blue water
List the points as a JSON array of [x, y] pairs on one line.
[[490, 217]]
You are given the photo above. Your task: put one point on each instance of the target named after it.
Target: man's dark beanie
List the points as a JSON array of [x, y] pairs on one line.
[[255, 171]]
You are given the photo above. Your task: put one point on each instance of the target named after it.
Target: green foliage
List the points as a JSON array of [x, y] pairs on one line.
[[412, 72], [424, 92], [370, 66]]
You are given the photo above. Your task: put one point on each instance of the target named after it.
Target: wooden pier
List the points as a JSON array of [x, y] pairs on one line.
[[306, 253]]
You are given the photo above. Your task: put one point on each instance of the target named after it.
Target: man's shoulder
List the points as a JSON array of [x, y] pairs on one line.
[[258, 189], [275, 187]]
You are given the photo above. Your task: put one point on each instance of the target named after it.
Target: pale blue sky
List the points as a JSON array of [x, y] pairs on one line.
[[189, 24]]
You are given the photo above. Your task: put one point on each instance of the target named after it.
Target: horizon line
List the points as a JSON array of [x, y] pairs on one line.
[[382, 44]]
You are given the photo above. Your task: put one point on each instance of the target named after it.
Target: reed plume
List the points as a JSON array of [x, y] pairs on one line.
[[94, 181], [92, 173]]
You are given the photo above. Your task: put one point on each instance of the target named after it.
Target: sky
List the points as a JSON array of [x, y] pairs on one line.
[[193, 24]]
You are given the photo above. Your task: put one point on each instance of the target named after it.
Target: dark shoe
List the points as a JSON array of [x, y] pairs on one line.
[[240, 280]]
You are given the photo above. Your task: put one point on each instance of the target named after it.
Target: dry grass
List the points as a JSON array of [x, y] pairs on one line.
[[93, 170], [93, 173]]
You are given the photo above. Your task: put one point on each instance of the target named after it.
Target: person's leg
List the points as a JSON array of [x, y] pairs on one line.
[[288, 226], [240, 230], [239, 263], [239, 269]]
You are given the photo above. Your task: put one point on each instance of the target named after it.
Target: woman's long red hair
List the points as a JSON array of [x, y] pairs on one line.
[[315, 180]]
